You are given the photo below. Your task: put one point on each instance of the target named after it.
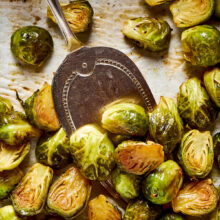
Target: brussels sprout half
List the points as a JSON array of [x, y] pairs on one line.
[[54, 151], [195, 106], [196, 198], [138, 157], [8, 213], [151, 33], [141, 210], [165, 124], [196, 153], [69, 194], [77, 13], [187, 13], [216, 143], [126, 184], [156, 2], [212, 84], [29, 196], [171, 216], [32, 45], [40, 111], [5, 106], [201, 45], [217, 8], [101, 208], [163, 184], [12, 156], [8, 180], [93, 152]]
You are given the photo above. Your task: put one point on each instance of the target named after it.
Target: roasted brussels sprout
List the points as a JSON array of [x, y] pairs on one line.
[[5, 106], [217, 8], [156, 2], [93, 152], [195, 106], [140, 210], [14, 129], [54, 151], [126, 184], [165, 124], [187, 13], [171, 216], [150, 33], [8, 180], [102, 209], [163, 184], [69, 194], [138, 157], [196, 198], [201, 45], [78, 14], [196, 153], [29, 196], [216, 143], [12, 156], [212, 84], [32, 45], [8, 213], [39, 109], [118, 138]]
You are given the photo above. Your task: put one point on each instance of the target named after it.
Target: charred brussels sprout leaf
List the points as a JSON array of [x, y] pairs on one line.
[[163, 184], [102, 209], [126, 184], [156, 2], [217, 8], [125, 119], [30, 194], [93, 152], [216, 143], [141, 210], [138, 157], [8, 213], [69, 194], [201, 45], [165, 124], [195, 106], [14, 129], [12, 156], [150, 33], [187, 13], [196, 198], [8, 180], [32, 45], [5, 106], [171, 216], [196, 153], [78, 14], [54, 151], [212, 84], [39, 109]]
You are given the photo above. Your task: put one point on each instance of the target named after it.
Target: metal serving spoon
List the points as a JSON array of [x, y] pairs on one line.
[[92, 77]]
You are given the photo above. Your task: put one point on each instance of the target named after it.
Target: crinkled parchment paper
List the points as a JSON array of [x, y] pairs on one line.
[[164, 72]]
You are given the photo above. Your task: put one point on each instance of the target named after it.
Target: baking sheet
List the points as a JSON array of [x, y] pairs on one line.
[[164, 71]]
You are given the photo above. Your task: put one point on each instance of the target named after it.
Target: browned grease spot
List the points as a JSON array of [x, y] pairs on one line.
[[36, 19], [26, 88]]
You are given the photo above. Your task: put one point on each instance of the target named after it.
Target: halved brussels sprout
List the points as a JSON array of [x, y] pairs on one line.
[[78, 14], [69, 194], [150, 33], [212, 84], [8, 213], [12, 156], [54, 151], [126, 184], [5, 106], [93, 152], [171, 216], [156, 2], [216, 143], [196, 153], [196, 198], [141, 210], [165, 124], [195, 106], [100, 208], [39, 109], [125, 119], [32, 45], [15, 130], [138, 157], [217, 8], [29, 196], [163, 184], [8, 180], [187, 13], [201, 45]]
